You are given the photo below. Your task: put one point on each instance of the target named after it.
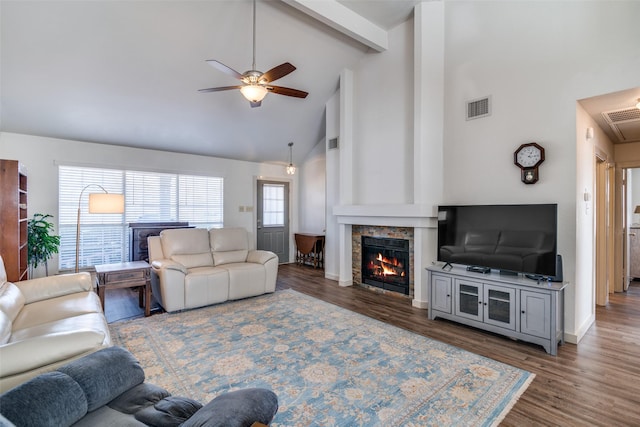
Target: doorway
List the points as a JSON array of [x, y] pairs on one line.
[[632, 214], [272, 218], [615, 140], [617, 226]]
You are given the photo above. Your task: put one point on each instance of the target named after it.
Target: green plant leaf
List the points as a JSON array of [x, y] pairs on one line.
[[42, 243]]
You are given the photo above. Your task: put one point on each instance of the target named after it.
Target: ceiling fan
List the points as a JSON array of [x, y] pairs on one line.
[[256, 84]]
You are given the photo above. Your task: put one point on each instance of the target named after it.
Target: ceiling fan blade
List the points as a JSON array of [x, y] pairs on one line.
[[227, 70], [287, 91], [255, 104], [218, 89], [277, 72]]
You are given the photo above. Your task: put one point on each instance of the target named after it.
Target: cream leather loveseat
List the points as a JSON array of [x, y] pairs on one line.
[[47, 322], [194, 267]]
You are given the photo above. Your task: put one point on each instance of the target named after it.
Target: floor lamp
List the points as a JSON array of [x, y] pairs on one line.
[[100, 203]]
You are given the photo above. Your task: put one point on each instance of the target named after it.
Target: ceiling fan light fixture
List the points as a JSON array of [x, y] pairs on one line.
[[254, 93], [256, 83]]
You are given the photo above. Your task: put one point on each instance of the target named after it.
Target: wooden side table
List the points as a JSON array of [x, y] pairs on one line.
[[126, 275], [310, 249]]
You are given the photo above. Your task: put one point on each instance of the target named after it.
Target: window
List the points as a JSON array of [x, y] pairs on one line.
[[273, 205], [149, 197]]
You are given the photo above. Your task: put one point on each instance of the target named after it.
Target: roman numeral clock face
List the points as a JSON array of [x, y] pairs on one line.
[[528, 158]]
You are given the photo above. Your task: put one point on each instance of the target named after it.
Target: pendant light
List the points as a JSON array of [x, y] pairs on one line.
[[291, 170]]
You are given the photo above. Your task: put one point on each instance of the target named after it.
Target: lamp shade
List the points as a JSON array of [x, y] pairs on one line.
[[254, 93], [105, 203], [637, 210]]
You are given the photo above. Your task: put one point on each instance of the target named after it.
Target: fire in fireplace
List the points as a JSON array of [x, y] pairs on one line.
[[385, 263]]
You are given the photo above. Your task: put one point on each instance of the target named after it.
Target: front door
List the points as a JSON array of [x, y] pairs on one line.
[[273, 218]]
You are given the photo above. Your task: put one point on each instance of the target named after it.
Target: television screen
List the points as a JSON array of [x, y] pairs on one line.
[[510, 238]]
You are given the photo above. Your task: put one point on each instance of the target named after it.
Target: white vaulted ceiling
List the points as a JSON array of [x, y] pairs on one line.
[[127, 72]]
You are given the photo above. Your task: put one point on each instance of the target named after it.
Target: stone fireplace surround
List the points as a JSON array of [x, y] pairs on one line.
[[357, 231], [423, 220]]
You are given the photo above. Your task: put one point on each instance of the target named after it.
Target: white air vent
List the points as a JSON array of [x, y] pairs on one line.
[[624, 123], [477, 108], [333, 143]]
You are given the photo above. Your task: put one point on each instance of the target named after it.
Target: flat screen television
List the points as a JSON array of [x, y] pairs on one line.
[[509, 238]]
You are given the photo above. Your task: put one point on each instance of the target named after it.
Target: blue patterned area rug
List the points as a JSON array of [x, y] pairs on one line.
[[329, 366]]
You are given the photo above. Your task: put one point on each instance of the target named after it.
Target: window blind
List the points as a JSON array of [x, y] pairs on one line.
[[149, 197]]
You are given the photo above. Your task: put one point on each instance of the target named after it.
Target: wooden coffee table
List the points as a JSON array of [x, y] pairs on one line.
[[126, 275]]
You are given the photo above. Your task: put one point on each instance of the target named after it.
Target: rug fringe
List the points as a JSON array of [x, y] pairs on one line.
[[514, 400]]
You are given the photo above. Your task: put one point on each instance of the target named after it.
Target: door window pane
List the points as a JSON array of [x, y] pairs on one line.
[[273, 205]]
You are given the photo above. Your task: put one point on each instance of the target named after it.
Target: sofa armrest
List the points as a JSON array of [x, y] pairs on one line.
[[33, 353], [54, 286], [237, 408], [260, 257], [167, 264]]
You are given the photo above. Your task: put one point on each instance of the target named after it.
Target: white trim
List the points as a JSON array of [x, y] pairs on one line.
[[343, 19]]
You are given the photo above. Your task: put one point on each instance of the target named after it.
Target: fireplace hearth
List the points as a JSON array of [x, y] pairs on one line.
[[385, 263]]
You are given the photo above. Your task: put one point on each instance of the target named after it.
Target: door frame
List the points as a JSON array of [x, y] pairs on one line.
[[620, 258], [604, 242]]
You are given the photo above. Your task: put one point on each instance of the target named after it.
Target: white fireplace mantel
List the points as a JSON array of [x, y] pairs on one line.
[[423, 219], [400, 215]]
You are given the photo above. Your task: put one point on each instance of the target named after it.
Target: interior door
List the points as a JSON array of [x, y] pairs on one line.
[[273, 218], [603, 232]]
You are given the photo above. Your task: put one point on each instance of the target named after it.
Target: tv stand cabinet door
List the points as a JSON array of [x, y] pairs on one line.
[[535, 312], [468, 296], [441, 293], [500, 306]]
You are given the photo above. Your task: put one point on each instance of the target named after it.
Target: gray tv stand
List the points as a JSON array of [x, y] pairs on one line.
[[513, 306]]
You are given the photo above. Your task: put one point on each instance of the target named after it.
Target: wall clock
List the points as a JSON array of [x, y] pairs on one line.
[[528, 157]]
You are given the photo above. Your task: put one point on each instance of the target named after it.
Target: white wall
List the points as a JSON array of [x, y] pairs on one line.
[[535, 59], [383, 122], [312, 184], [584, 283], [42, 155], [332, 177]]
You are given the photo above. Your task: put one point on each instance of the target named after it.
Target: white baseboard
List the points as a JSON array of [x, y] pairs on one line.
[[575, 338], [330, 276], [420, 304]]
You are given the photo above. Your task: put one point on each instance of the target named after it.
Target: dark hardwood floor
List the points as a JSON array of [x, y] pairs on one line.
[[595, 383]]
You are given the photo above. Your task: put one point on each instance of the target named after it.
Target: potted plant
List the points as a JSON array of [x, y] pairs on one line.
[[42, 244]]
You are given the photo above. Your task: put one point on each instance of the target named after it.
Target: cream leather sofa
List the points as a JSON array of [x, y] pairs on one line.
[[194, 267], [47, 322]]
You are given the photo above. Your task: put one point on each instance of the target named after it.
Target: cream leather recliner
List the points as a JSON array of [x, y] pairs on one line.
[[195, 267], [47, 322]]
